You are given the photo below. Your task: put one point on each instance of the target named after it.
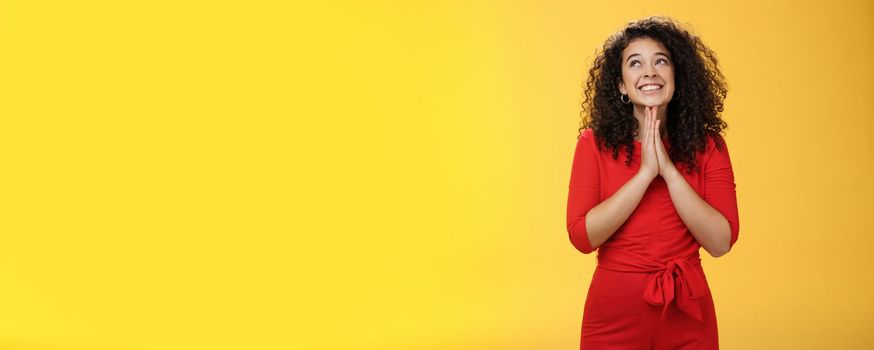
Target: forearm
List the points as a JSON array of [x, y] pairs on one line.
[[709, 227], [605, 218]]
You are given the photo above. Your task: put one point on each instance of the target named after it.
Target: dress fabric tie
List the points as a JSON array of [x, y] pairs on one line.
[[676, 280]]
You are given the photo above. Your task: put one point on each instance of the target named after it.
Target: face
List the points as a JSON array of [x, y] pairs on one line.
[[646, 63]]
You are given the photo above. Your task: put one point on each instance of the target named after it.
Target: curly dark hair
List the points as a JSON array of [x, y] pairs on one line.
[[693, 113]]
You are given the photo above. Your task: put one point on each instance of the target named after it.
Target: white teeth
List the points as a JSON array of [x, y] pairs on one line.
[[650, 87]]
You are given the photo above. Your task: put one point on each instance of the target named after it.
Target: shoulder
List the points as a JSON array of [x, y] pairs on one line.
[[587, 139], [715, 142], [589, 136], [717, 148]]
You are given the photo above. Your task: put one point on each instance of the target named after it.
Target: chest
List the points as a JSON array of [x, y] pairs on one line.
[[615, 174]]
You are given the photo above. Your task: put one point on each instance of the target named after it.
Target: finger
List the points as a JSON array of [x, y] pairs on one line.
[[652, 120], [656, 140], [646, 131], [651, 116], [643, 128]]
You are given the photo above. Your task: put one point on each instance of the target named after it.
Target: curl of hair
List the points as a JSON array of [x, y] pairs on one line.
[[693, 113]]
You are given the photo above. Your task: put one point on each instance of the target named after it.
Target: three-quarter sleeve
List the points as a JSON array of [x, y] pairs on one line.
[[719, 187], [583, 191]]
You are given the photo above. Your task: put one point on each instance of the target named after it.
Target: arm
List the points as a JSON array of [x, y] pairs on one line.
[[713, 220], [590, 223]]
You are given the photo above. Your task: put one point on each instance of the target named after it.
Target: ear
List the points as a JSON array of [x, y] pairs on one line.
[[622, 88]]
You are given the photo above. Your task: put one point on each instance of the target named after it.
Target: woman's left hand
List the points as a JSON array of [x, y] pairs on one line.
[[666, 166]]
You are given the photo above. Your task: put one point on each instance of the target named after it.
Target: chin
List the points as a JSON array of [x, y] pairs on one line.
[[652, 103]]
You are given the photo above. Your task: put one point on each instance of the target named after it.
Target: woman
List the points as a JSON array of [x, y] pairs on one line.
[[656, 92]]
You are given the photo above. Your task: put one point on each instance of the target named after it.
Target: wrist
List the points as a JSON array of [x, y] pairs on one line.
[[648, 176], [671, 173]]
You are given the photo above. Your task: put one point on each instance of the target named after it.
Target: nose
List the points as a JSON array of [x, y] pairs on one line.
[[650, 71]]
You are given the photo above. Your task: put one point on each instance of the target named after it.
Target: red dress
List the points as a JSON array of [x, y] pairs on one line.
[[648, 290]]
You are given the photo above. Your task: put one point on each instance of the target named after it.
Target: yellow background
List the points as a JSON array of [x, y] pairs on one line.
[[393, 175]]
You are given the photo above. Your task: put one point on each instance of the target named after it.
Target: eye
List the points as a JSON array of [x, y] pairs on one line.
[[633, 62]]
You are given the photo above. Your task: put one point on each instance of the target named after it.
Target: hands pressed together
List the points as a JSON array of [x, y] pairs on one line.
[[654, 158]]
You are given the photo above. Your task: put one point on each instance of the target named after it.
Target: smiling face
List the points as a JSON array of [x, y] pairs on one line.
[[647, 73]]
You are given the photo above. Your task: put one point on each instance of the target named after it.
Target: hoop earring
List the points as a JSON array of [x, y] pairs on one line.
[[623, 101]]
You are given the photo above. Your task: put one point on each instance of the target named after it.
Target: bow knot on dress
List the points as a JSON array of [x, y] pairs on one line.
[[678, 281]]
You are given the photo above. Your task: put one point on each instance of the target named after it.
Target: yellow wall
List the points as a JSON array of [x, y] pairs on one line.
[[393, 175]]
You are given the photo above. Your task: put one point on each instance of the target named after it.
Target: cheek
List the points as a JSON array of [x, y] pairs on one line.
[[628, 79], [626, 74]]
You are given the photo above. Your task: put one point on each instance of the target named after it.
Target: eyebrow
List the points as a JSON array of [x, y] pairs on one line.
[[657, 53]]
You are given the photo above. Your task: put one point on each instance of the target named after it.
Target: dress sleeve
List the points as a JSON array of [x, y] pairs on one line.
[[583, 191], [719, 187]]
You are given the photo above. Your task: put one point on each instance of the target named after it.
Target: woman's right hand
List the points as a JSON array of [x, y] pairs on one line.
[[649, 163]]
